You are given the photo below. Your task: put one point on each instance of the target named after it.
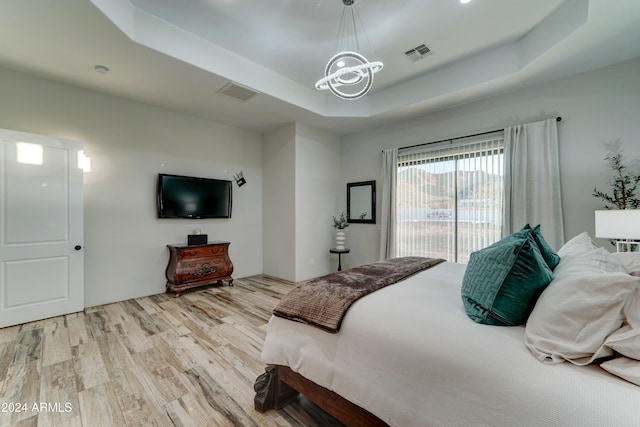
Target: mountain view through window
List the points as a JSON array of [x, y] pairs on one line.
[[449, 201]]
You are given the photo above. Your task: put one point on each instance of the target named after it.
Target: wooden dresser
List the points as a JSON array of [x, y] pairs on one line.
[[191, 266]]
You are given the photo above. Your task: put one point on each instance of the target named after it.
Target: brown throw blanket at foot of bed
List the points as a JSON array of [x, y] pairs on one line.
[[323, 301]]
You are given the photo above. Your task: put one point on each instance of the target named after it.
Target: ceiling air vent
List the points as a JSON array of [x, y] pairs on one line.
[[236, 91], [418, 52]]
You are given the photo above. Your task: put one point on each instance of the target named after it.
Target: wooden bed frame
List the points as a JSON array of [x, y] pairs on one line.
[[279, 385]]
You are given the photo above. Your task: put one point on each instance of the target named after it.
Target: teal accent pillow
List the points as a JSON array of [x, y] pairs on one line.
[[503, 281], [551, 258]]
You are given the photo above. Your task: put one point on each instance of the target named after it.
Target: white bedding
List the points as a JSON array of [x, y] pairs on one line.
[[409, 354]]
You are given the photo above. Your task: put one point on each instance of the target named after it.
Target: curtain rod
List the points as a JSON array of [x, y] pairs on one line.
[[559, 118]]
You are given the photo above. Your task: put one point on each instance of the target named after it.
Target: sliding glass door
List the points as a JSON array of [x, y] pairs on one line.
[[449, 199]]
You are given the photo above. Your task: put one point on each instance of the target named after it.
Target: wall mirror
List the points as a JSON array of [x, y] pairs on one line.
[[361, 202]]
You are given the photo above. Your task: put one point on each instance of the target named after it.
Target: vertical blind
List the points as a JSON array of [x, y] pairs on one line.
[[449, 199]]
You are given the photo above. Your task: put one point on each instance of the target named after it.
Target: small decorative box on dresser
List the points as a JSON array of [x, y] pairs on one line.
[[198, 265]]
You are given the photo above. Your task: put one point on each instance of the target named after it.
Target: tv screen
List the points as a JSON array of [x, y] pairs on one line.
[[191, 197]]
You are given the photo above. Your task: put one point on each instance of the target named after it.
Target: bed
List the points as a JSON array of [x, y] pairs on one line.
[[409, 355]]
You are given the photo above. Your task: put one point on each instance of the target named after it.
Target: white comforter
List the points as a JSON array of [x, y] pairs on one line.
[[409, 354]]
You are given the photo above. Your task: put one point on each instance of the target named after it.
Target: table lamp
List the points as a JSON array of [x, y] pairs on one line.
[[622, 225]]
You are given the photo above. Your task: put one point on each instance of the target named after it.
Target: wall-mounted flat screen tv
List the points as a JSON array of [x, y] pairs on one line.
[[191, 197]]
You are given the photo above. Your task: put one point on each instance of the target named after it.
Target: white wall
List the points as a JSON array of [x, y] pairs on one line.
[[301, 172], [129, 144], [278, 190], [596, 107], [317, 175]]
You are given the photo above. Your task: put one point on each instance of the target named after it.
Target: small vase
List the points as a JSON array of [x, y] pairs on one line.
[[340, 238]]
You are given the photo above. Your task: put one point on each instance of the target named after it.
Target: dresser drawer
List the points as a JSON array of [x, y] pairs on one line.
[[199, 268], [202, 251]]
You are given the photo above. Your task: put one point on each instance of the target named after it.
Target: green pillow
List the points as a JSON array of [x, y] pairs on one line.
[[503, 281], [551, 258]]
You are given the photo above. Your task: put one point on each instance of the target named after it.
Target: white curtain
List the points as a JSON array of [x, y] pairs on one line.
[[388, 214], [532, 180]]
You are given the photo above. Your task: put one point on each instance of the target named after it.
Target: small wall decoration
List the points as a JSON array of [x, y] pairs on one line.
[[239, 179]]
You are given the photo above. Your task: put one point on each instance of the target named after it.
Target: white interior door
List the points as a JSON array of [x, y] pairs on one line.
[[41, 225]]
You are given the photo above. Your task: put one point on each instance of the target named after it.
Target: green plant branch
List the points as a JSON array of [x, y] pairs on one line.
[[624, 183]]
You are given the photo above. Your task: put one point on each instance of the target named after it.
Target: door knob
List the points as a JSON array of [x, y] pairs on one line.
[[77, 247]]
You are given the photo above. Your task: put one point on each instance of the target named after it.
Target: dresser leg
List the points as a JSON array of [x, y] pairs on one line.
[[230, 282]]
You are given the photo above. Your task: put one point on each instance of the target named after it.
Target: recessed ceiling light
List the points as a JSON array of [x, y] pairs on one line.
[[465, 1], [102, 69]]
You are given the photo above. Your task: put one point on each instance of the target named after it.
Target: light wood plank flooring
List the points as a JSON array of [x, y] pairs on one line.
[[152, 361]]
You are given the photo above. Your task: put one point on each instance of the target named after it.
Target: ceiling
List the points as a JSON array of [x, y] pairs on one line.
[[179, 53]]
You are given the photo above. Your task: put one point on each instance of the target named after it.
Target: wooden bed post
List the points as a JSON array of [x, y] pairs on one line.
[[279, 385], [271, 391]]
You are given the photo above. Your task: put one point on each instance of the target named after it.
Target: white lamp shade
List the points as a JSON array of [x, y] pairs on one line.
[[618, 224]]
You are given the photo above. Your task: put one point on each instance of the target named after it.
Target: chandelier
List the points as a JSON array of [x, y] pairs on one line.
[[348, 74]]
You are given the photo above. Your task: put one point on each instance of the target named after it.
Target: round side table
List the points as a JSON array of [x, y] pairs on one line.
[[339, 252]]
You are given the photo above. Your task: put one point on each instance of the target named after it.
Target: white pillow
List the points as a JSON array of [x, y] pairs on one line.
[[624, 367], [580, 254], [630, 261], [574, 316], [579, 244], [581, 307], [594, 261], [626, 341]]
